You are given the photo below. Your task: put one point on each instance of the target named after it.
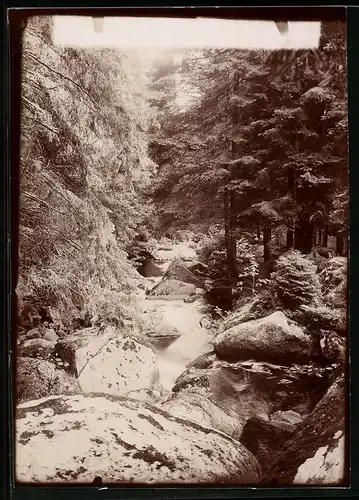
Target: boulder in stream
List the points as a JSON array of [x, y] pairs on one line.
[[73, 439], [274, 338], [109, 361], [178, 270], [173, 288]]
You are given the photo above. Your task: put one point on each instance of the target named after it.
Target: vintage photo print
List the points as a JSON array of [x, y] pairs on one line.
[[183, 252]]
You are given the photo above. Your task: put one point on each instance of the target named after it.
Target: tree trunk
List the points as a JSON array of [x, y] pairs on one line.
[[320, 235], [308, 238], [298, 237], [291, 191], [230, 236], [290, 238], [267, 235], [303, 237], [325, 237], [340, 244], [258, 233]]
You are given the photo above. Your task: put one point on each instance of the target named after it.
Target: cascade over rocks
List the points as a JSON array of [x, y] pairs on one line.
[[109, 361], [76, 438], [274, 338]]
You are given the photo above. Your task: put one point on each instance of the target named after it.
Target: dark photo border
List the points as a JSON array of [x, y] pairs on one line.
[[14, 16]]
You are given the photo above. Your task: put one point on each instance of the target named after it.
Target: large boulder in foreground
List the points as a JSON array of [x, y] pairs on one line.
[[174, 288], [37, 378], [109, 361], [197, 406], [179, 271], [274, 338], [316, 454], [74, 439]]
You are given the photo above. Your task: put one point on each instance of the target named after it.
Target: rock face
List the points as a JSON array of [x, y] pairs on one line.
[[195, 405], [76, 438], [289, 416], [179, 271], [259, 307], [316, 453], [34, 333], [274, 338], [174, 288], [256, 388], [50, 335], [36, 348], [36, 378], [334, 282], [265, 439], [333, 347], [109, 362]]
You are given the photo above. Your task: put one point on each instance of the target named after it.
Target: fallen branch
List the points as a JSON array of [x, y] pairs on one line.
[[42, 124], [35, 198], [32, 56]]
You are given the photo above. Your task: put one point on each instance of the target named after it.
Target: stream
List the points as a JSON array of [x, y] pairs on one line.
[[194, 340]]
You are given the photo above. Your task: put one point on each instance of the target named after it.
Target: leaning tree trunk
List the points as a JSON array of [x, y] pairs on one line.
[[267, 236]]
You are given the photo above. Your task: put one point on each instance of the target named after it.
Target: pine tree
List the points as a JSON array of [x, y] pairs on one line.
[[84, 166]]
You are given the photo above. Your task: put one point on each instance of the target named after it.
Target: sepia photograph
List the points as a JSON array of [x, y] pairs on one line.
[[182, 288]]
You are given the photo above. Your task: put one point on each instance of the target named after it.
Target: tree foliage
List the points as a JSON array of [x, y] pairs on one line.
[[295, 281], [271, 123], [84, 167]]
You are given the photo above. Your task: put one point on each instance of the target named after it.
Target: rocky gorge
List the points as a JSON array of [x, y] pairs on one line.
[[190, 398]]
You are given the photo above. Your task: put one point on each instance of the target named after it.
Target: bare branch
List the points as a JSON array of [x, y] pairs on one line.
[[32, 56], [42, 202]]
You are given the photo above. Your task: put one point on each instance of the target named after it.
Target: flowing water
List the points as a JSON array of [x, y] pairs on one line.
[[194, 340]]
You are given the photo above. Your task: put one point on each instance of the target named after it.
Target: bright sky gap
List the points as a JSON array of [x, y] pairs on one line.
[[169, 33]]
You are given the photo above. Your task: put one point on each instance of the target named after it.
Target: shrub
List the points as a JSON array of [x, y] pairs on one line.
[[334, 282], [295, 281], [316, 319], [210, 244]]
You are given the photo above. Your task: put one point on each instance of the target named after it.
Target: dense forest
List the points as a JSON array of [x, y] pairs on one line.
[[164, 190]]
